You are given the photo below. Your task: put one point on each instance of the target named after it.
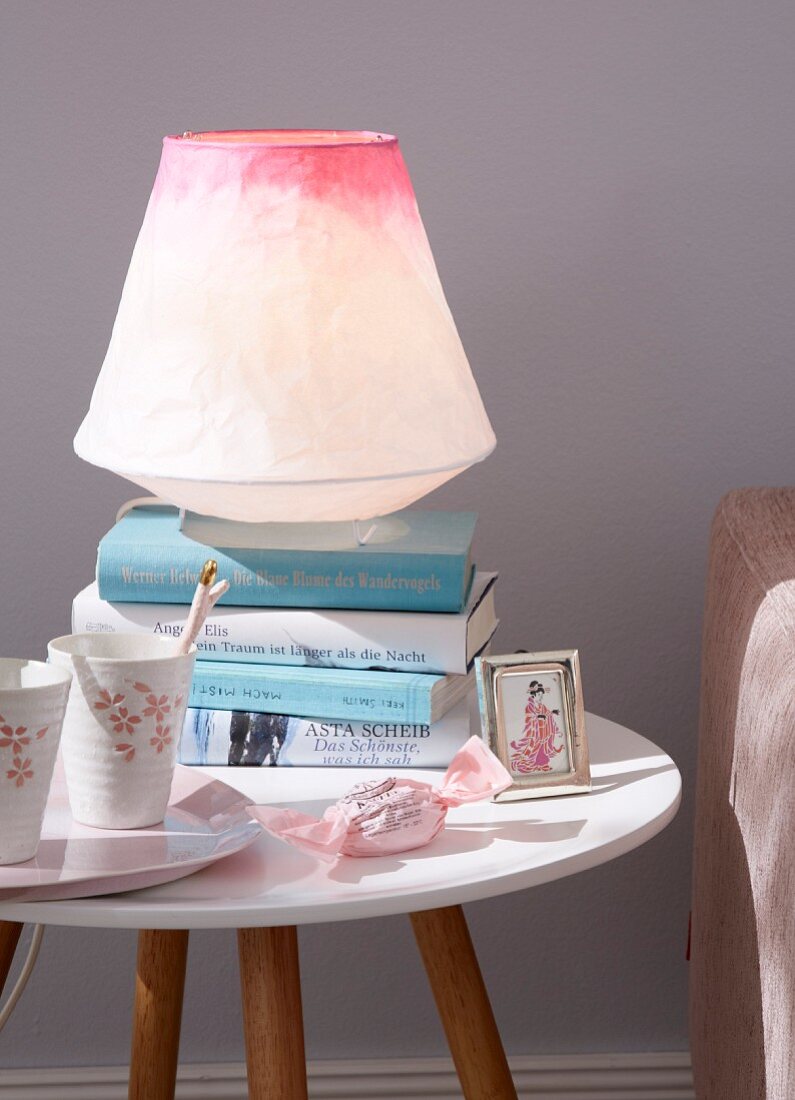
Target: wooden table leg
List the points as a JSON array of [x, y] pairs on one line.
[[272, 1015], [463, 1003], [10, 932], [159, 984]]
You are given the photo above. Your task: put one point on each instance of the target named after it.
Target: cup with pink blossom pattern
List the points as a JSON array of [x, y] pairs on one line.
[[32, 704], [122, 726]]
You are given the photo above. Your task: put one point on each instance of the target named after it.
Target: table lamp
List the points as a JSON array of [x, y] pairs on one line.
[[283, 350]]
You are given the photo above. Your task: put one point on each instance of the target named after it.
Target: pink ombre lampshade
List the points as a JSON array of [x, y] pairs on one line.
[[283, 349]]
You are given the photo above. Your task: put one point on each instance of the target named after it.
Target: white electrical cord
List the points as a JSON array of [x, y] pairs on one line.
[[22, 980]]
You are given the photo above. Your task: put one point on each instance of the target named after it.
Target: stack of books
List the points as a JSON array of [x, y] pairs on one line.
[[324, 651]]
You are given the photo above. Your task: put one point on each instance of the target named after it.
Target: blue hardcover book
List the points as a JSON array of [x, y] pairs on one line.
[[341, 693], [414, 561]]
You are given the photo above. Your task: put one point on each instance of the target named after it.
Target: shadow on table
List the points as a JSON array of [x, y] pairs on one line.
[[612, 750], [459, 840], [602, 784]]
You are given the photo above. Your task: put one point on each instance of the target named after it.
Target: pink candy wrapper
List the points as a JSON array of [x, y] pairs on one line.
[[384, 816]]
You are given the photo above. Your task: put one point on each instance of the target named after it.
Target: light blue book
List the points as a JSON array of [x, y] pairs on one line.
[[413, 561], [340, 693]]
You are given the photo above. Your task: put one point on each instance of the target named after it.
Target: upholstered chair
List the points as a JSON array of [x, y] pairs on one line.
[[742, 969]]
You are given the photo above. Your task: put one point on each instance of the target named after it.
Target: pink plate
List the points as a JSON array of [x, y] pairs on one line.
[[205, 821]]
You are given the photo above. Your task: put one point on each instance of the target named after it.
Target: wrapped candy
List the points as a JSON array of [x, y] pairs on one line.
[[385, 816]]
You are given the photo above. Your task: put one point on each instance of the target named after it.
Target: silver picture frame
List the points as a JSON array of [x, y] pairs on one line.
[[544, 747]]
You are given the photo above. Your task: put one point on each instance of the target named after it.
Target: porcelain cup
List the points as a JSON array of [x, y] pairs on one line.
[[32, 704], [122, 727]]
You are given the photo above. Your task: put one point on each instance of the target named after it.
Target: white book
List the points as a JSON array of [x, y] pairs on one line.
[[398, 641], [220, 737]]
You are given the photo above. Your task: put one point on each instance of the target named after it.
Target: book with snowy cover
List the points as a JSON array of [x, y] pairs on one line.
[[244, 738]]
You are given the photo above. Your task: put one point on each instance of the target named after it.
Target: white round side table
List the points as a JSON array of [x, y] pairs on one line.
[[267, 890]]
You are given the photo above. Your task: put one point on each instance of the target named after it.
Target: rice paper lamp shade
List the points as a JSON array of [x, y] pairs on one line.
[[283, 350]]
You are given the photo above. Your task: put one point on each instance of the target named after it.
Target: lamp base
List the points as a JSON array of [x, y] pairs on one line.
[[296, 502], [292, 536]]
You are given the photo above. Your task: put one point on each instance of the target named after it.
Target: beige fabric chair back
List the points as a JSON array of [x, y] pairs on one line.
[[742, 976]]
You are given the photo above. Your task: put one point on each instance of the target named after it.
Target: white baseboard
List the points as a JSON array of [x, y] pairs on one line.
[[651, 1076]]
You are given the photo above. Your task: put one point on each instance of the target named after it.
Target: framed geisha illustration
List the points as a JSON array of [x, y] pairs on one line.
[[534, 720]]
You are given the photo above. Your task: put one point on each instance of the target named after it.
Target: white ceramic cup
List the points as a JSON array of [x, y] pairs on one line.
[[122, 727], [32, 704]]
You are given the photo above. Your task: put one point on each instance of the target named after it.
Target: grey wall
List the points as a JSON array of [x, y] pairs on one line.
[[608, 191]]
